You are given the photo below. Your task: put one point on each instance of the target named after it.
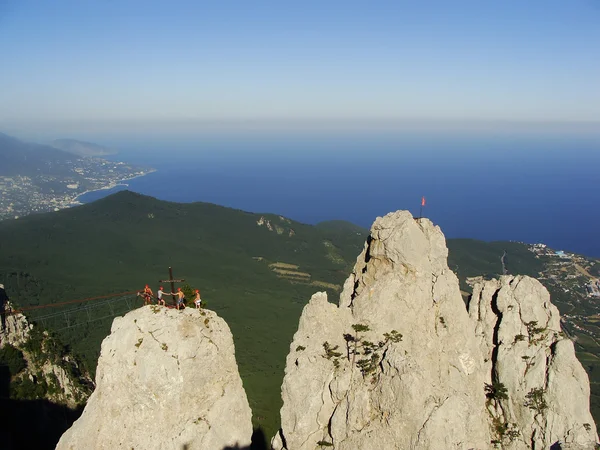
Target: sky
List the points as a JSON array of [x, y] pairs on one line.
[[154, 64]]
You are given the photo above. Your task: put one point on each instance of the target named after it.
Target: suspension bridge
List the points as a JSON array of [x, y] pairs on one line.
[[64, 315]]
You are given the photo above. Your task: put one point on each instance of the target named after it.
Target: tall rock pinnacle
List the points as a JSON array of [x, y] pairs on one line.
[[165, 379], [547, 389], [352, 382], [401, 364]]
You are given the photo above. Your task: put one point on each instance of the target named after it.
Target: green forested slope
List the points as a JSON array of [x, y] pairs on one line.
[[127, 240], [470, 258]]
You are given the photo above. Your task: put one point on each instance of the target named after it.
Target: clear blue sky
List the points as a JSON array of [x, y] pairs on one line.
[[154, 62]]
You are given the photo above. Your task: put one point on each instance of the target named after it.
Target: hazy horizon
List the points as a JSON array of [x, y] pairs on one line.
[[77, 67]]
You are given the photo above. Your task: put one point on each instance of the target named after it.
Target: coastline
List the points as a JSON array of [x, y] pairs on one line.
[[121, 182]]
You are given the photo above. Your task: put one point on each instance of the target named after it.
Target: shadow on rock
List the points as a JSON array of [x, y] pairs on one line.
[[31, 424], [259, 442]]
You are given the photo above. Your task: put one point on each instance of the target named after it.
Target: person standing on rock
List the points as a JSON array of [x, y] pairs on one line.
[[147, 294], [180, 298], [198, 300], [159, 296], [3, 306]]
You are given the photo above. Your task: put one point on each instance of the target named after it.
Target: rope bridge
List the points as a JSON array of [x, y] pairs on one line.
[[86, 310]]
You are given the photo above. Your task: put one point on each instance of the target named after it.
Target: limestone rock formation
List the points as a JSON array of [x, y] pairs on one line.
[[401, 364], [16, 331], [165, 379], [352, 382], [547, 390], [47, 373]]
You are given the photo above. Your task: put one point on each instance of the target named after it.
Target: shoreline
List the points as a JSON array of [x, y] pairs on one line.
[[76, 202]]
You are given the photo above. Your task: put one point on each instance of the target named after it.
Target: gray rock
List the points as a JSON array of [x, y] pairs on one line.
[[428, 390], [165, 379], [17, 330], [425, 391], [41, 366], [547, 389]]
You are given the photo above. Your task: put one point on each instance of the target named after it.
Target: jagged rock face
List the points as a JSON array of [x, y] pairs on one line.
[[17, 330], [71, 392], [369, 389], [43, 366], [547, 389], [165, 379], [502, 375]]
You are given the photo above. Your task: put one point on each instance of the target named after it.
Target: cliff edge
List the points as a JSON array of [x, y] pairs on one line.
[[401, 363], [166, 379]]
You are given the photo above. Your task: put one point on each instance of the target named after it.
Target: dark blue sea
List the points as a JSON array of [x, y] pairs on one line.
[[530, 187]]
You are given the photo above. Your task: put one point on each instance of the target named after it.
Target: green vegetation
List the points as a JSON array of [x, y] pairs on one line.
[[535, 400], [332, 354], [24, 376], [496, 391], [536, 334], [505, 432], [471, 258], [12, 358], [125, 241], [357, 346]]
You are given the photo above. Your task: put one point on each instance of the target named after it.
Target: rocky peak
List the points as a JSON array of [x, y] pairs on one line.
[[271, 226], [400, 363], [165, 379], [16, 331], [44, 371], [538, 392], [394, 365]]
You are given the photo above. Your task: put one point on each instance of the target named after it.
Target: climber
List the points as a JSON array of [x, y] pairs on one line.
[[180, 298], [159, 296], [197, 300], [3, 306], [147, 294]]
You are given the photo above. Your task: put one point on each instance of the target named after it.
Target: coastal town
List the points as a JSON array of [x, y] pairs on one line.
[[26, 194], [574, 284]]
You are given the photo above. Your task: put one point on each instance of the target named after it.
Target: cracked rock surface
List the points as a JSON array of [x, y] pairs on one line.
[[519, 332], [423, 391], [166, 379], [352, 384]]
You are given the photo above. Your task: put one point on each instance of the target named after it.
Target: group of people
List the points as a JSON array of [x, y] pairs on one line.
[[148, 295]]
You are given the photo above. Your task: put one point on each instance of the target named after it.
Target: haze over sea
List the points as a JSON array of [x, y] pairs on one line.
[[490, 185]]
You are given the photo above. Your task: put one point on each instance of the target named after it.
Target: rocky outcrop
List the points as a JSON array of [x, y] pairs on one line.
[[401, 364], [395, 365], [16, 331], [46, 373], [165, 379], [272, 226], [545, 390]]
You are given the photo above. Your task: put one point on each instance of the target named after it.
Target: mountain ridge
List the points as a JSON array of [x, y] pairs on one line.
[[23, 158], [82, 148]]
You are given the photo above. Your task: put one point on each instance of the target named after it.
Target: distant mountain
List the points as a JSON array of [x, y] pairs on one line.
[[82, 148], [29, 159]]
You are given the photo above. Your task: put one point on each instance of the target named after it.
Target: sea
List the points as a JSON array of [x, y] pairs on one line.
[[489, 185]]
